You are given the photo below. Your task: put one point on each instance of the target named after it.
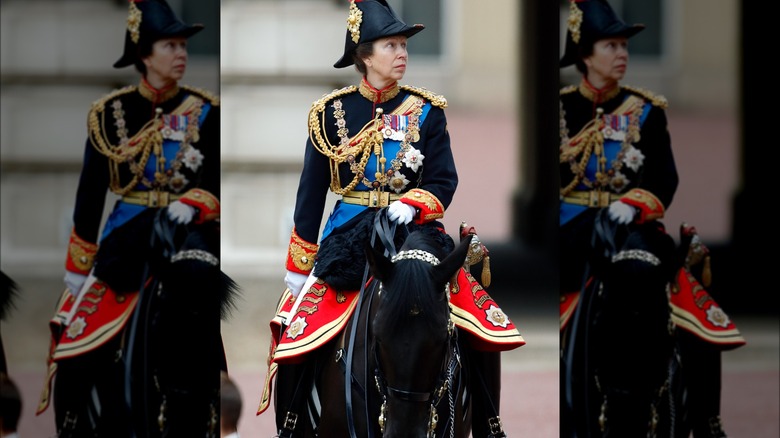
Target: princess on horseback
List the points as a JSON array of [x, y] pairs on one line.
[[136, 347], [376, 145], [617, 262]]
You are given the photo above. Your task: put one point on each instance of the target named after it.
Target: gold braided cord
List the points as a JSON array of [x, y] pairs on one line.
[[589, 137], [340, 153], [367, 141], [146, 140]]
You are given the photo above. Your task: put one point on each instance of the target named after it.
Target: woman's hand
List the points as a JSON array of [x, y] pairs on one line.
[[74, 282], [180, 212], [621, 212], [400, 212], [294, 282]]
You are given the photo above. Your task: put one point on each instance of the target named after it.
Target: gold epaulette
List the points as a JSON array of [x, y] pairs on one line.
[[568, 89], [212, 98], [655, 99], [318, 105], [100, 104], [435, 99]]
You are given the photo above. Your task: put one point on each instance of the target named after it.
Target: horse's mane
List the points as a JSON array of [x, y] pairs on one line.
[[411, 287]]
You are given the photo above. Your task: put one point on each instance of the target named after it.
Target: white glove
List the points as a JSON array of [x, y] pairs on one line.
[[74, 281], [621, 212], [180, 212], [294, 282], [400, 212]]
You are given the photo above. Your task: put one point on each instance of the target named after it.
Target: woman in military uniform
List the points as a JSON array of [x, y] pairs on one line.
[[618, 177], [139, 320], [377, 144]]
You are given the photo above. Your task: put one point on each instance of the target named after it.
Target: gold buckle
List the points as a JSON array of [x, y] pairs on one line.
[[598, 198], [373, 198], [158, 199], [378, 199]]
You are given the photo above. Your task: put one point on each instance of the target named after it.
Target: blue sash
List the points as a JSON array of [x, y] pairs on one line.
[[343, 212], [123, 211], [611, 149]]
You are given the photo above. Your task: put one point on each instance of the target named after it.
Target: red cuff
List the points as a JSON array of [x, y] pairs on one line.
[[429, 206], [300, 254], [81, 254], [206, 203], [650, 208]]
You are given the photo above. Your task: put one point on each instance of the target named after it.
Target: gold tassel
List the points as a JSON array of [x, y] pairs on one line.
[[706, 272], [486, 271]]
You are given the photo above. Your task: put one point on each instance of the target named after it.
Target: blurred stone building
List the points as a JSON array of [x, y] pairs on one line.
[[276, 57]]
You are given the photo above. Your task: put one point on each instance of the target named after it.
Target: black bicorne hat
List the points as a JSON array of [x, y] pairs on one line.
[[368, 21], [590, 21], [149, 21]]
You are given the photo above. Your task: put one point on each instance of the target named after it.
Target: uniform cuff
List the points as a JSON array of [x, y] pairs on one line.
[[81, 254], [650, 208], [429, 206], [300, 254], [206, 203]]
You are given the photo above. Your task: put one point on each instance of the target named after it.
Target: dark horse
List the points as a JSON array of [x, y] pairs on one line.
[[621, 369], [400, 350], [159, 376]]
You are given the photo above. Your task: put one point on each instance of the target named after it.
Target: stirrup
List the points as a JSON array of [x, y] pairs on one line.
[[496, 428]]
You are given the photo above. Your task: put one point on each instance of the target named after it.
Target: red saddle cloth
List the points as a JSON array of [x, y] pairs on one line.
[[323, 313], [693, 310], [85, 324]]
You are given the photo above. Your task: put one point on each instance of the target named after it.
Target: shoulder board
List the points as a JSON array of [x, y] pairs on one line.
[[100, 104], [568, 89], [655, 99], [213, 99], [436, 99], [319, 104]]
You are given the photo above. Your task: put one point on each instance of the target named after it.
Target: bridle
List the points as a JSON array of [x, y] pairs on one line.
[[450, 366]]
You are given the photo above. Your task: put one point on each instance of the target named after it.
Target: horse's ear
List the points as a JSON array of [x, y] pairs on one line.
[[454, 261], [380, 265]]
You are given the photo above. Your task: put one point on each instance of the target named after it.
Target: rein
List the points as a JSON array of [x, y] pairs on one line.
[[385, 230]]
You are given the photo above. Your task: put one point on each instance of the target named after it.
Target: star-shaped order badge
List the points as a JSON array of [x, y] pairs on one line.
[[633, 158], [718, 317], [297, 327], [76, 327], [193, 158], [413, 158], [496, 316]]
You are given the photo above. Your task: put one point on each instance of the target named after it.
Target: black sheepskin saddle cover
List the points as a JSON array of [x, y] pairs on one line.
[[341, 258]]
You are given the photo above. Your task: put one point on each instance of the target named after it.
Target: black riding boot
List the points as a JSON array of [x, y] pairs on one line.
[[701, 364], [82, 380], [293, 383], [486, 393]]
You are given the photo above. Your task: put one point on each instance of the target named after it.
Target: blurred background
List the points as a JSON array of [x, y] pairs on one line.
[[496, 62]]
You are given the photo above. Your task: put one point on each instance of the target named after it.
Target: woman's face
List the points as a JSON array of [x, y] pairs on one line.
[[607, 65], [388, 62], [167, 62]]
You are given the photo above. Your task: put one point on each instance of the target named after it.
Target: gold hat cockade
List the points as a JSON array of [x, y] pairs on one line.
[[134, 22], [574, 21], [354, 20]]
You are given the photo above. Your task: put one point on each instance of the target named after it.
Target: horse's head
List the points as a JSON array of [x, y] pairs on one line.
[[413, 336]]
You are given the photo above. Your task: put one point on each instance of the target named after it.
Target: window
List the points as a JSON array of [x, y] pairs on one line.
[[429, 13], [205, 12], [650, 42]]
